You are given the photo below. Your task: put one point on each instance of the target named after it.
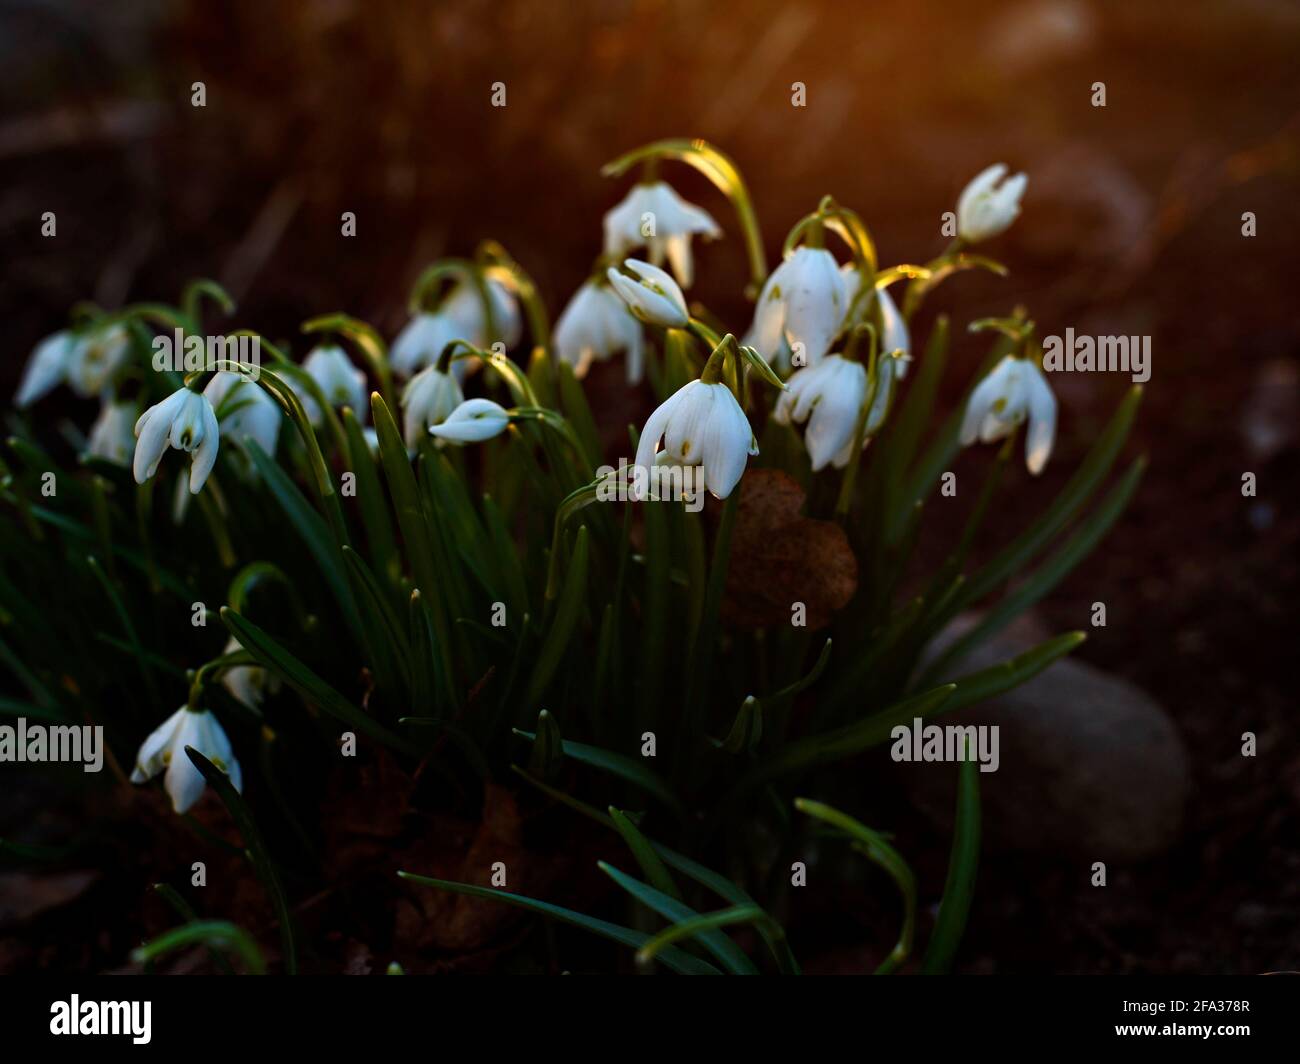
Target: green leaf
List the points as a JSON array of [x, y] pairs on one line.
[[1076, 492], [309, 524], [962, 865], [385, 636], [619, 765], [568, 613], [876, 849], [728, 954], [677, 960], [218, 934], [548, 748], [645, 855], [257, 852], [772, 932], [298, 676], [977, 686], [851, 739], [373, 504], [186, 912], [1034, 587]]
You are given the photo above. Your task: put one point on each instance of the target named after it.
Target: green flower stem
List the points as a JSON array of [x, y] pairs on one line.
[[280, 391], [845, 501], [725, 175], [368, 342], [305, 379], [494, 254], [708, 630]]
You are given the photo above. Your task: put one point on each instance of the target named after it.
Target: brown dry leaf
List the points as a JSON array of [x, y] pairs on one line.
[[779, 557], [456, 922]]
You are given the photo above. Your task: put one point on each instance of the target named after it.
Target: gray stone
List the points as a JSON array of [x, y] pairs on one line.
[[1090, 765]]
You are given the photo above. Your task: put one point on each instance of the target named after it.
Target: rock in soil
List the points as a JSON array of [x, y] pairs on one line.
[[1089, 764]]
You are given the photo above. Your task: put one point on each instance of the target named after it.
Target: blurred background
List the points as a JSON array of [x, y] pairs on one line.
[[1132, 225]]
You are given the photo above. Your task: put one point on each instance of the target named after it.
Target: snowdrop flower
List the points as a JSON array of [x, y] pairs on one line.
[[655, 298], [248, 683], [986, 208], [803, 302], [596, 325], [111, 436], [421, 342], [244, 410], [95, 357], [342, 383], [46, 368], [829, 396], [165, 750], [463, 310], [427, 400], [701, 425], [474, 421], [186, 421], [653, 216], [888, 319], [1014, 391]]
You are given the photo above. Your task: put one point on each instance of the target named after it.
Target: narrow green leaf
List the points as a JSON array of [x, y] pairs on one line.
[[962, 865], [677, 960], [728, 954], [645, 855], [568, 612], [257, 852], [219, 934], [298, 676]]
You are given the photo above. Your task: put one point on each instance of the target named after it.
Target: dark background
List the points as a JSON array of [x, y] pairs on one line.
[[1131, 225]]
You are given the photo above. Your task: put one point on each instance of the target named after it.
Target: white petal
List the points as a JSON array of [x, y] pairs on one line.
[[1042, 420], [206, 455], [46, 367]]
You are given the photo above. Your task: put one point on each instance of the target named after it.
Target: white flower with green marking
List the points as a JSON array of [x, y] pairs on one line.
[[655, 217], [700, 425], [184, 420], [164, 751], [1014, 392], [988, 205]]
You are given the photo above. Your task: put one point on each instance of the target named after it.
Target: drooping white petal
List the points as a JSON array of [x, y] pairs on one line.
[[154, 751], [46, 368], [473, 421], [111, 437], [95, 357], [655, 298], [725, 443], [814, 301], [984, 209], [981, 401], [420, 343], [1042, 419], [205, 457], [653, 431], [428, 400], [152, 432], [767, 333]]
